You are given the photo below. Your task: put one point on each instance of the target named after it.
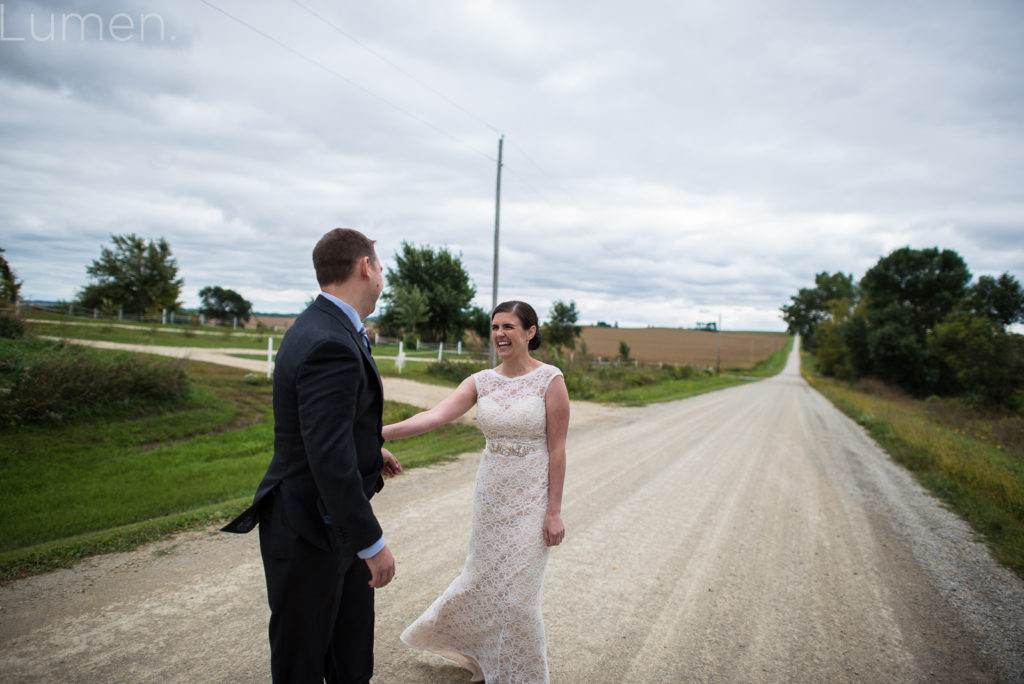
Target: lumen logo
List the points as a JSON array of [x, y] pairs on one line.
[[45, 28]]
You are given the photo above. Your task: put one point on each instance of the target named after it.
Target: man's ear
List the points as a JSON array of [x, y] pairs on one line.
[[364, 267]]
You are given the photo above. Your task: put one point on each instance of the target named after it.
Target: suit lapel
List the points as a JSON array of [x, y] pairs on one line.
[[331, 309]]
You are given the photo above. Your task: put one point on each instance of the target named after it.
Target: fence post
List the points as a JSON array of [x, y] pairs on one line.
[[163, 317], [120, 313], [234, 323], [417, 344], [440, 351], [202, 319], [400, 359], [95, 313], [458, 349], [270, 357]]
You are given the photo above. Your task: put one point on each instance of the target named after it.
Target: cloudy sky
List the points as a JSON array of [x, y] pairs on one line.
[[664, 161]]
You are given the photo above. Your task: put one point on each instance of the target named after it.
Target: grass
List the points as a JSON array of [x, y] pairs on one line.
[[669, 390], [83, 487], [150, 334], [970, 459], [52, 381]]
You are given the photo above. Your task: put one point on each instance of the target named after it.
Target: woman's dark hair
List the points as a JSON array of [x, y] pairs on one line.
[[526, 315]]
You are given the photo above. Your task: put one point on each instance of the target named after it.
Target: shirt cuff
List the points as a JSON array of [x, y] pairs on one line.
[[371, 551]]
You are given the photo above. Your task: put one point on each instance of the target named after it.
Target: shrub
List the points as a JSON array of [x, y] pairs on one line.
[[11, 327], [454, 371], [589, 380], [43, 381]]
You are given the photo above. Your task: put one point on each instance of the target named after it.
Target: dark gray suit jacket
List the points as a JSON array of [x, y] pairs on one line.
[[328, 402]]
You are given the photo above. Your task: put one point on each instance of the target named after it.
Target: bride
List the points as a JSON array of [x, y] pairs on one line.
[[489, 619]]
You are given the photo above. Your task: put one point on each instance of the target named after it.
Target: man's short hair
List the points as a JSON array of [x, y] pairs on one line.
[[336, 255]]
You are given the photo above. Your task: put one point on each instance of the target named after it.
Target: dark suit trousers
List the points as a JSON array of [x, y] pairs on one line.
[[321, 607]]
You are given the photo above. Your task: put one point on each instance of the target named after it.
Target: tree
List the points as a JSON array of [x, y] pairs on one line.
[[917, 286], [906, 294], [918, 325], [810, 306], [224, 305], [561, 330], [10, 286], [831, 348], [1001, 301], [985, 359], [441, 278], [478, 322], [410, 307], [136, 275]]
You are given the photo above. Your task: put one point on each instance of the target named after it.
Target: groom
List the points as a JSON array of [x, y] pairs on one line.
[[323, 550]]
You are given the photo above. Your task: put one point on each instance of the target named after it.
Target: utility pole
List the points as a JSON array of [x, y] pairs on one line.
[[494, 281]]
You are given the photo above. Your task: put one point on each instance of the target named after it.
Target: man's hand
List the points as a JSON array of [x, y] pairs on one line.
[[391, 465], [382, 568]]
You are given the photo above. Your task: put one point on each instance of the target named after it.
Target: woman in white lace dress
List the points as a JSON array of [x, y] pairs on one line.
[[489, 619]]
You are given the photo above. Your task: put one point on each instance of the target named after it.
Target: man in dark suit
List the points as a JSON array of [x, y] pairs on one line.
[[323, 549]]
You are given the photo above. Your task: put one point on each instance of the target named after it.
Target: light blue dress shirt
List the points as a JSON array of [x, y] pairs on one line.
[[370, 551]]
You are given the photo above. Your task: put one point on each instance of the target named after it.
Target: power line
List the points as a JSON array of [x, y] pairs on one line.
[[366, 91], [397, 67], [438, 93], [347, 80]]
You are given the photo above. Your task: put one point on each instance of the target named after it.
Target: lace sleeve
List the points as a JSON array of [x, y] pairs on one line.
[[552, 373]]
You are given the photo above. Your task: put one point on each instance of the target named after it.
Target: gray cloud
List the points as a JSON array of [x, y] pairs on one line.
[[692, 159]]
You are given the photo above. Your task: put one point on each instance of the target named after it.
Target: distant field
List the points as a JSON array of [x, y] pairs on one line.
[[675, 345]]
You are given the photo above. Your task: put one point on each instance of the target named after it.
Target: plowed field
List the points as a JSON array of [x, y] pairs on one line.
[[676, 345]]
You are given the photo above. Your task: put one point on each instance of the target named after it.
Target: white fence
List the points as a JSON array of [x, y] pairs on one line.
[[165, 317]]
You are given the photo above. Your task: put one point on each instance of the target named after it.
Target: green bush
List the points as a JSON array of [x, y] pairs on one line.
[[587, 381], [43, 381], [453, 371], [11, 327]]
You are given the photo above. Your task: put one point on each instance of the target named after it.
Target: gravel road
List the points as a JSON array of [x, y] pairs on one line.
[[749, 535]]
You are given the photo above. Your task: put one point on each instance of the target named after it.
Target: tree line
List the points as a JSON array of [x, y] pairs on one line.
[[916, 321], [429, 292]]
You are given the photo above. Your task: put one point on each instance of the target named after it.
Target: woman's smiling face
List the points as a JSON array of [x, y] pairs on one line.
[[510, 339]]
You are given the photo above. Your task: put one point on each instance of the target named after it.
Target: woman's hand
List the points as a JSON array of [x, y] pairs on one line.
[[391, 465], [554, 530]]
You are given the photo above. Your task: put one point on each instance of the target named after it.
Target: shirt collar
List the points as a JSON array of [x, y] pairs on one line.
[[347, 309]]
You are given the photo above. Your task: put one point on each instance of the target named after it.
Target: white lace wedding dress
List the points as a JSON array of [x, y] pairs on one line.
[[489, 619]]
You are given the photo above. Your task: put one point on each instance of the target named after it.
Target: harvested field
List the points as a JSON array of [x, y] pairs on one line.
[[677, 345]]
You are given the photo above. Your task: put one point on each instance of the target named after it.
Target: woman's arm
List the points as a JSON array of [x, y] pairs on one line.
[[450, 408], [557, 403]]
